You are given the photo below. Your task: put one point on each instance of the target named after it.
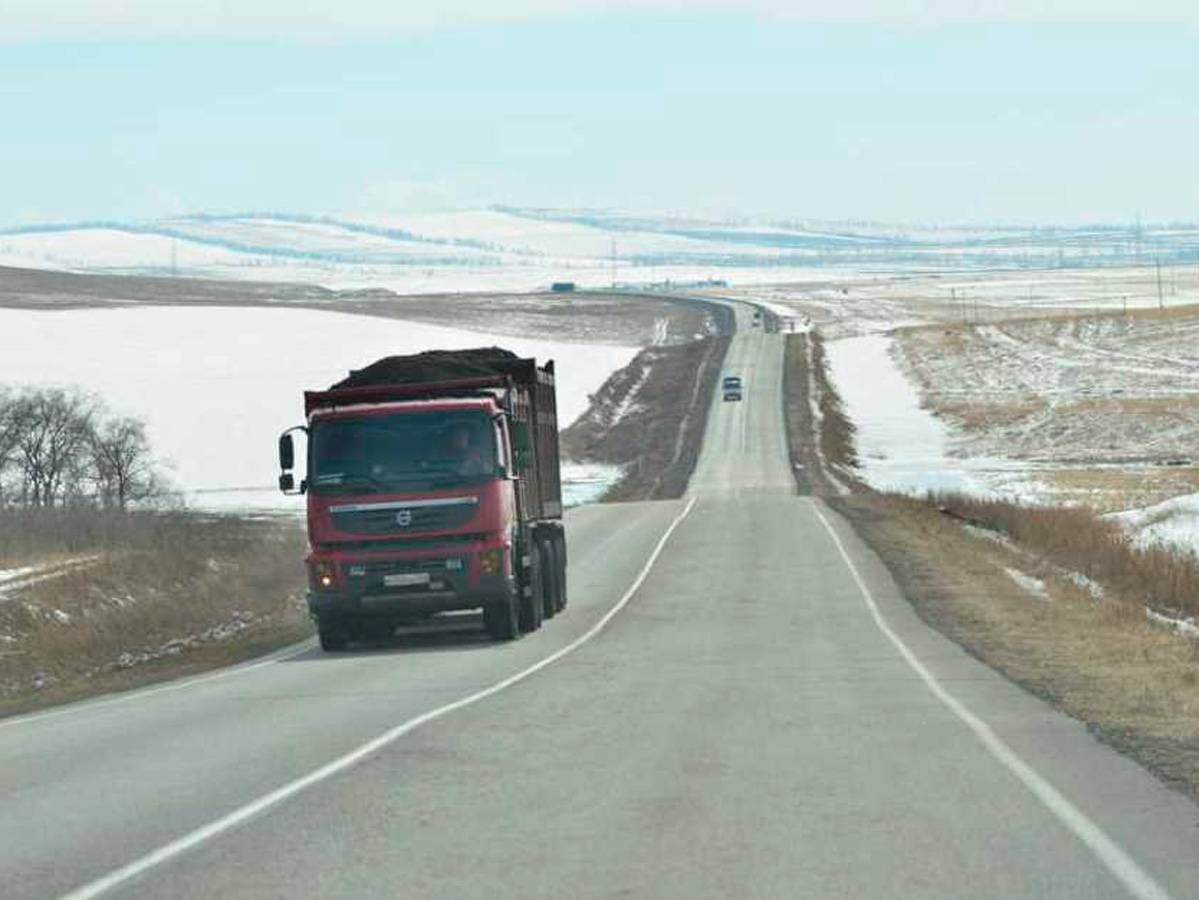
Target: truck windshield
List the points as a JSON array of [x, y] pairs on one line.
[[402, 452]]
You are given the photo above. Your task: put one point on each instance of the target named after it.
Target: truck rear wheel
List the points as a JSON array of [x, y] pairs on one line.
[[501, 619], [560, 558], [549, 579], [531, 603]]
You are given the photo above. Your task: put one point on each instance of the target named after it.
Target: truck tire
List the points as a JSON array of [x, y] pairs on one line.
[[549, 578], [560, 558], [501, 619], [332, 637], [531, 604]]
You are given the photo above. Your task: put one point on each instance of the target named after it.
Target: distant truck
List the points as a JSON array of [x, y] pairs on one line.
[[730, 385], [433, 485], [563, 287]]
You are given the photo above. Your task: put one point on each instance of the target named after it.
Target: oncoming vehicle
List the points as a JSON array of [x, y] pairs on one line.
[[433, 485]]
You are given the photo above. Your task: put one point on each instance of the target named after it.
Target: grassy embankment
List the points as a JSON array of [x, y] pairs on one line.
[[1083, 641], [649, 418], [118, 600]]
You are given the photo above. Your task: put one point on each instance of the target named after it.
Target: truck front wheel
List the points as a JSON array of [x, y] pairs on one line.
[[332, 637], [501, 619], [531, 602]]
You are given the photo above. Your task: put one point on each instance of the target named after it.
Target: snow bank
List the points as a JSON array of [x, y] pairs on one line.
[[901, 447], [1173, 523], [1031, 585], [217, 385]]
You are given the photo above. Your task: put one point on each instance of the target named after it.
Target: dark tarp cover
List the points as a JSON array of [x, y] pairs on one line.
[[431, 366]]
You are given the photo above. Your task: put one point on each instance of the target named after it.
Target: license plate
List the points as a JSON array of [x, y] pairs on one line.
[[406, 578]]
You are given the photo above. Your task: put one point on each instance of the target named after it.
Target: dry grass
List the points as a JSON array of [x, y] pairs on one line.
[[170, 593], [837, 441], [797, 388], [1160, 409], [658, 438], [990, 415], [1076, 539], [1111, 489]]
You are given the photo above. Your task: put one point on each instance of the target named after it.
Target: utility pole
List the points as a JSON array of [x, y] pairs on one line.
[[1157, 260]]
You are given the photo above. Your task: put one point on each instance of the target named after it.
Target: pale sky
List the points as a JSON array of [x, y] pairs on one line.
[[898, 111]]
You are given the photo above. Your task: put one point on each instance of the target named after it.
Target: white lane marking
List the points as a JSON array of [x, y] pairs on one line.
[[281, 655], [181, 845], [1113, 857]]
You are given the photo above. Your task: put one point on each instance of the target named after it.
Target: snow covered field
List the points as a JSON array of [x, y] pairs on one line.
[[901, 445], [1101, 411], [217, 385], [852, 302]]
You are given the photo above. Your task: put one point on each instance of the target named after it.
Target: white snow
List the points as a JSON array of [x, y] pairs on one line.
[[98, 249], [1173, 523], [901, 446], [13, 574], [1090, 585], [586, 482], [1033, 586], [1187, 627], [217, 385]]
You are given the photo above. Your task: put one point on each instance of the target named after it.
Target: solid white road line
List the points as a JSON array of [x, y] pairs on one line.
[[181, 845], [1113, 857]]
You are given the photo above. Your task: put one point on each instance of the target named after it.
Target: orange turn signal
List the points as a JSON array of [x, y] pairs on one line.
[[491, 562]]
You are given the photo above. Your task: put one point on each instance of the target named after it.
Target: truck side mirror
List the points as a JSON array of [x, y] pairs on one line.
[[287, 483], [287, 452]]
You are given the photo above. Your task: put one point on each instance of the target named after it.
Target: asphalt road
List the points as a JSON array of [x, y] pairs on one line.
[[741, 705]]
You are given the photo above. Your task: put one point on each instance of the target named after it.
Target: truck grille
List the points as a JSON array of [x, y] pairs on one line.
[[379, 568], [400, 518]]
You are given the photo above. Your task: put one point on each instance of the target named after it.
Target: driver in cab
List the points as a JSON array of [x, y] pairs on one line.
[[467, 452]]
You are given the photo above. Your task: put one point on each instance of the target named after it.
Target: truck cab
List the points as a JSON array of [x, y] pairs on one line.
[[428, 498]]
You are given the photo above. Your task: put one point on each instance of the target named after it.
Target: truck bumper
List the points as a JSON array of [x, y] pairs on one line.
[[363, 592]]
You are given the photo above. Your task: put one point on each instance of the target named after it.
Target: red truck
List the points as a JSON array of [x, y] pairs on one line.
[[433, 485]]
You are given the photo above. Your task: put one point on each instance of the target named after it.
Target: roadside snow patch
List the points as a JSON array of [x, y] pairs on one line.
[[586, 482], [1033, 586], [1173, 523]]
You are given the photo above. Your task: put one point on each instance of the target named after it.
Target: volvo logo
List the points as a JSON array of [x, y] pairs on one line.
[[404, 518]]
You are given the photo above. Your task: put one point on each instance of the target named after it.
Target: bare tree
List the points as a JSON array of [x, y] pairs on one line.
[[54, 438], [121, 462], [8, 437]]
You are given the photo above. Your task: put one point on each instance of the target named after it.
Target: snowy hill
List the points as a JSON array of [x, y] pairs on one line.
[[517, 249]]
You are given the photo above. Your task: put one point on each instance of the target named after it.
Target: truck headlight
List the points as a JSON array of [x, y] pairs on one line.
[[323, 574]]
